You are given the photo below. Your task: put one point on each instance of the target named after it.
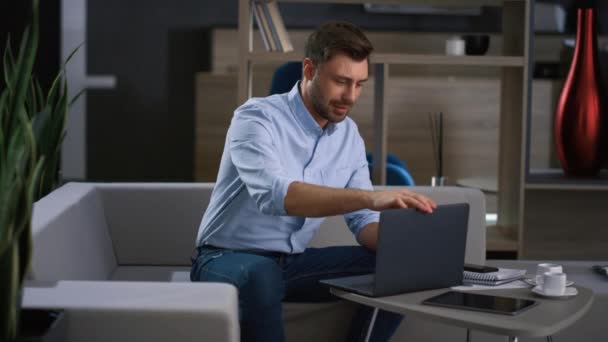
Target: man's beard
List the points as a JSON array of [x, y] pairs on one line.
[[323, 107]]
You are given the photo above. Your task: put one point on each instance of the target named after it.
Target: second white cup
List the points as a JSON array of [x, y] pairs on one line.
[[543, 268], [554, 284]]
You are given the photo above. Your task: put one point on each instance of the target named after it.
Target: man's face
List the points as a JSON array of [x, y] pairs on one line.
[[336, 86]]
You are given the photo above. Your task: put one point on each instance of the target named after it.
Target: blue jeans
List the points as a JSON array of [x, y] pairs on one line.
[[265, 279]]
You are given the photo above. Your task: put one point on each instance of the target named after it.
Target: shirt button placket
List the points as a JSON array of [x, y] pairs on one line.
[[306, 175]]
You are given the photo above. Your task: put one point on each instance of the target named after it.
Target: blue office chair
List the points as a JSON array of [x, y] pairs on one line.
[[397, 172], [285, 77], [396, 175], [390, 158]]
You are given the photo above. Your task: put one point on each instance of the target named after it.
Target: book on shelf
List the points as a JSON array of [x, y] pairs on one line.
[[274, 35], [272, 29], [262, 25], [279, 26], [502, 276]]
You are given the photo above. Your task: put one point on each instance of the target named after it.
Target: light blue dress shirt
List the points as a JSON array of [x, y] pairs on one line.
[[272, 142]]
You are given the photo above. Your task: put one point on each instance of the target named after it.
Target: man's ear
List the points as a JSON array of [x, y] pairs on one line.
[[308, 69]]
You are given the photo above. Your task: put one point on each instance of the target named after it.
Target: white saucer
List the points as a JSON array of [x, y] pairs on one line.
[[532, 282], [570, 292]]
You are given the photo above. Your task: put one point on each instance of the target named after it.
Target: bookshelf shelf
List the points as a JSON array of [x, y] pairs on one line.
[[422, 59], [553, 179], [412, 59]]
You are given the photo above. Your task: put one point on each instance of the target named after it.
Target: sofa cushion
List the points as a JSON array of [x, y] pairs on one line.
[[70, 236], [152, 273]]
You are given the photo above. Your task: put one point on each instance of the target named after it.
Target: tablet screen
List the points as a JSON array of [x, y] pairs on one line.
[[478, 302]]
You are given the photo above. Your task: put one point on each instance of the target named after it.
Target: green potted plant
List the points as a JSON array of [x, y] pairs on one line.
[[32, 127]]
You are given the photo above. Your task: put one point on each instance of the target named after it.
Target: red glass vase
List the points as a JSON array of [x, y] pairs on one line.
[[579, 125]]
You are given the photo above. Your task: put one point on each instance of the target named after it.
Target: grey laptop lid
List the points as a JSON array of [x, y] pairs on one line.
[[418, 251]]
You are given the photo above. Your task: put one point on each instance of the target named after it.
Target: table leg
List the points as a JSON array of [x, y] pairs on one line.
[[549, 338], [371, 325], [468, 335], [512, 338]]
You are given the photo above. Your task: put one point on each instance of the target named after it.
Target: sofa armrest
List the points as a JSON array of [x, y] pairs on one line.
[[70, 236], [142, 311]]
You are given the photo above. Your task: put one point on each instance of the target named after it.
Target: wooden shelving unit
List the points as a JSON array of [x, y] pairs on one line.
[[514, 64]]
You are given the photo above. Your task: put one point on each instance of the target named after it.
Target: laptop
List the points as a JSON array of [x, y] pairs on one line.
[[416, 251]]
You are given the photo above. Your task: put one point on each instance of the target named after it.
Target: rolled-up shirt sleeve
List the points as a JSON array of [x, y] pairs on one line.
[[360, 179], [256, 159]]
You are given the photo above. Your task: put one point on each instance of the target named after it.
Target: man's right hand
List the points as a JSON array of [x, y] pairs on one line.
[[394, 199]]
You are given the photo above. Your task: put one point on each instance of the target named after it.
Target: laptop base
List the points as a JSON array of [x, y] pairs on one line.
[[360, 284]]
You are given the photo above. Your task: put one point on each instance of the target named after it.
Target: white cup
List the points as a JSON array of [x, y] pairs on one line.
[[454, 46], [543, 268], [554, 284]]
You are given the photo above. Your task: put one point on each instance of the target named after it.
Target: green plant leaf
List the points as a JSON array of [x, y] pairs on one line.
[[72, 55], [76, 97], [54, 91], [25, 61], [2, 148], [29, 196], [7, 63], [23, 70], [9, 293], [7, 211], [40, 94], [30, 99]]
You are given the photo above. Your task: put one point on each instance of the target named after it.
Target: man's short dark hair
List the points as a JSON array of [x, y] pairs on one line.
[[337, 37]]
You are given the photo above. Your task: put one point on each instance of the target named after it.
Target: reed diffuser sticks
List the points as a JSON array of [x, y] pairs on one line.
[[436, 123]]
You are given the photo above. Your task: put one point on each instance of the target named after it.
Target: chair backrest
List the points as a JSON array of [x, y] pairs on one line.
[[396, 175], [390, 158], [397, 172], [285, 77]]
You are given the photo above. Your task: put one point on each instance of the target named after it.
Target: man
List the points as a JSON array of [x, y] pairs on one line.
[[289, 161]]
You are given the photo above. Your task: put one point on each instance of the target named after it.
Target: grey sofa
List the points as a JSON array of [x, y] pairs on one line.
[[117, 257]]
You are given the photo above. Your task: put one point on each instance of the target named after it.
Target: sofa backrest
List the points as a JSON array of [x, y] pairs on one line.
[[70, 236], [83, 230], [154, 223]]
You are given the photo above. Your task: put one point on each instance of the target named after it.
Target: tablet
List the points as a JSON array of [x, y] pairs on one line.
[[484, 303]]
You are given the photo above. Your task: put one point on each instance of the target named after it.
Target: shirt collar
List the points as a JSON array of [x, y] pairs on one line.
[[303, 115]]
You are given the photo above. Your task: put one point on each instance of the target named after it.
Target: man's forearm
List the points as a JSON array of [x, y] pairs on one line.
[[311, 200]]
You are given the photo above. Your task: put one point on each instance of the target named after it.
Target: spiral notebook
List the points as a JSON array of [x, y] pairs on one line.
[[504, 275]]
